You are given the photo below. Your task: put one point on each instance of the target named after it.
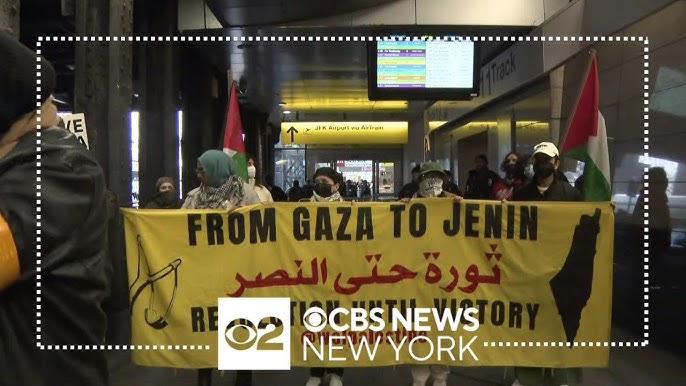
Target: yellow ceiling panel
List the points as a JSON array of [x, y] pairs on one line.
[[332, 94]]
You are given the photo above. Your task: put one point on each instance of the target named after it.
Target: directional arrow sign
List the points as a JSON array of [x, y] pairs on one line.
[[292, 131], [344, 132]]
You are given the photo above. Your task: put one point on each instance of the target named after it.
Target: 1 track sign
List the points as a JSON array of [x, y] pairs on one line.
[[76, 123]]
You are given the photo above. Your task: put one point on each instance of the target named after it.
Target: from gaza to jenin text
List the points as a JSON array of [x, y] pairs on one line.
[[347, 223]]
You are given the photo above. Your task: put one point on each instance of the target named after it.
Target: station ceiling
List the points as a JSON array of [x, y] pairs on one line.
[[312, 80], [245, 13], [322, 80]]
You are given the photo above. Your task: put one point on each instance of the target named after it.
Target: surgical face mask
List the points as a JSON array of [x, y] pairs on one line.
[[322, 189], [544, 169], [431, 187], [529, 171], [252, 171]]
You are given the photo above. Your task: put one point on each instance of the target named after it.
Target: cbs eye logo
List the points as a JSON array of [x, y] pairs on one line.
[[242, 334], [314, 319]]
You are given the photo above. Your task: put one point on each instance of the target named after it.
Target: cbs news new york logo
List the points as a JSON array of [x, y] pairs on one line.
[[254, 334]]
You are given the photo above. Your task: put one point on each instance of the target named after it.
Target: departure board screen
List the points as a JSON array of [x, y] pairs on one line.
[[401, 67], [425, 64]]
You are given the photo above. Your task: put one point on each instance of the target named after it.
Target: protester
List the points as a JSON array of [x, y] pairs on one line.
[[546, 185], [431, 178], [166, 197], [255, 180], [480, 180], [326, 189], [220, 187], [328, 182], [448, 184], [504, 188], [408, 190], [72, 259]]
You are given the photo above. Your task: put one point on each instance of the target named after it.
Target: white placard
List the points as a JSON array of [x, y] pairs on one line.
[[76, 123]]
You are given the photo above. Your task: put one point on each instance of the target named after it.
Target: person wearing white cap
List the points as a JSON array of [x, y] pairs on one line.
[[546, 185]]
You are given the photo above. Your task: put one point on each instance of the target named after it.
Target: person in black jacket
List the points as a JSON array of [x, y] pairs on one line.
[[410, 189], [71, 261], [546, 185], [480, 180]]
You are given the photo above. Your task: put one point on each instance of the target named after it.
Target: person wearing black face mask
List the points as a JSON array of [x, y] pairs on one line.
[[327, 183], [166, 196], [504, 188], [546, 185]]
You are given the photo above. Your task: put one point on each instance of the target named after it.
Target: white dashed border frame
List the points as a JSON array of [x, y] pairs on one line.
[[646, 142]]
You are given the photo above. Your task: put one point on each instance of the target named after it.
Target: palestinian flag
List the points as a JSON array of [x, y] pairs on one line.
[[233, 136], [586, 139]]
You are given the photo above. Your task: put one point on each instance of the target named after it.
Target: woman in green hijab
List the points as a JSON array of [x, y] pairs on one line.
[[219, 186]]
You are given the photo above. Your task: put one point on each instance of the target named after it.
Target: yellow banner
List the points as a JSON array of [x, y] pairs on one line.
[[537, 278], [344, 132]]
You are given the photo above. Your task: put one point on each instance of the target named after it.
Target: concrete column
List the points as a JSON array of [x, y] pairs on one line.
[[102, 89], [158, 95], [413, 150], [500, 139], [9, 16], [198, 104], [557, 78]]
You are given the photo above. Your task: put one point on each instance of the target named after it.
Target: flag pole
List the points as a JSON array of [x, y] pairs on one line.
[[592, 52]]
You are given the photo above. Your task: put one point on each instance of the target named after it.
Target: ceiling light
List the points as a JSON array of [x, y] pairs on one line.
[[281, 104], [287, 111]]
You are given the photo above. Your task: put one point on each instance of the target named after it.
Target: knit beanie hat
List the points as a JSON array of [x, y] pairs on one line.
[[328, 172], [162, 180], [18, 80]]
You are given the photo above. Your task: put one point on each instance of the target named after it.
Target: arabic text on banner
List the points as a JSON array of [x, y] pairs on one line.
[[536, 272]]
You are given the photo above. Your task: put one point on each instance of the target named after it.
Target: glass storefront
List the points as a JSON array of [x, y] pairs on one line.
[[289, 165], [355, 171], [386, 178], [369, 173]]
